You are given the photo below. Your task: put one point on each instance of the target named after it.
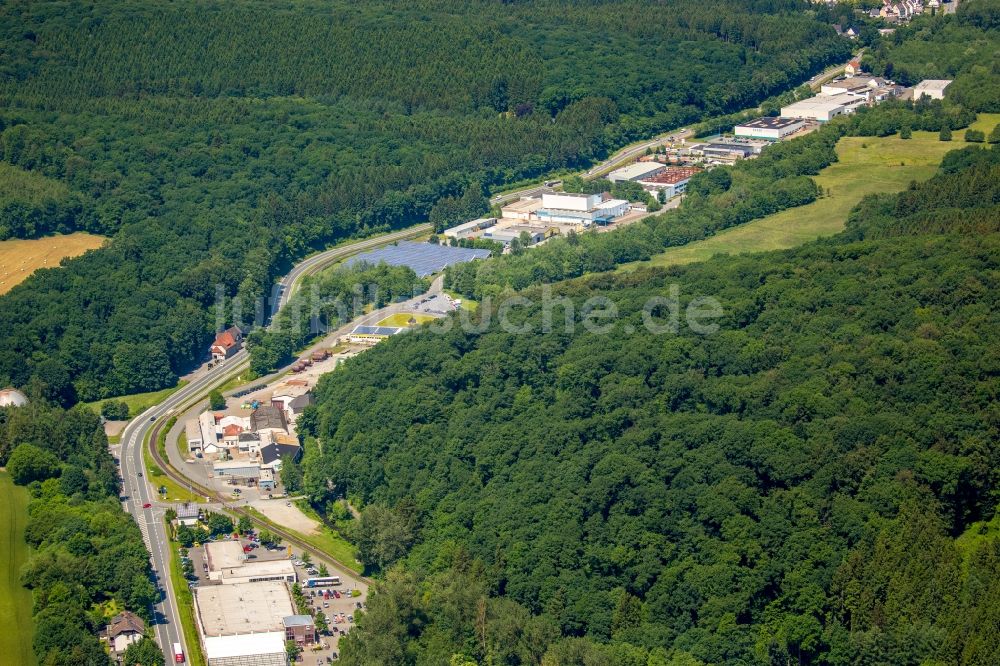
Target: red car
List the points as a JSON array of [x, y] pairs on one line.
[[147, 505]]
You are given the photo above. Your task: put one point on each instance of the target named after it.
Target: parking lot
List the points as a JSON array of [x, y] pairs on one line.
[[340, 603]]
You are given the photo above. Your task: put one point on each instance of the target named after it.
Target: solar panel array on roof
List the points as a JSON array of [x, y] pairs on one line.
[[376, 330], [423, 258]]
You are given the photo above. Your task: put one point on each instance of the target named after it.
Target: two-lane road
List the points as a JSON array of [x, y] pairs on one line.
[[167, 625]]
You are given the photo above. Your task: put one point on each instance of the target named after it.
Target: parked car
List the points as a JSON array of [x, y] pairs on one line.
[[326, 604]]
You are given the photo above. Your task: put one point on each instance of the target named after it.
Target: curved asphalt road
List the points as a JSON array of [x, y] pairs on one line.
[[166, 622]]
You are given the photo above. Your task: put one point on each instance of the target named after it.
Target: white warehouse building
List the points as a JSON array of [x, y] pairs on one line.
[[933, 88], [243, 625], [585, 209], [637, 171], [823, 108], [772, 129]]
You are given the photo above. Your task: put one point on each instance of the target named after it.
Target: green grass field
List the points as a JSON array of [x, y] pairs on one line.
[[15, 601], [138, 402], [401, 319], [157, 478], [866, 165]]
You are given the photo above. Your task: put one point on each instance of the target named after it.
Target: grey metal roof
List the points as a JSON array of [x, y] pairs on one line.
[[423, 258], [298, 621], [376, 330]]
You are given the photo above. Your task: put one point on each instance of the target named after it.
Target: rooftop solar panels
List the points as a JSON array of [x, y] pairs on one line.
[[423, 258], [376, 330]]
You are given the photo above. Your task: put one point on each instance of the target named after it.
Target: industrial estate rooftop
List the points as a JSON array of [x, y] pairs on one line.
[[243, 608], [376, 330], [424, 258], [224, 554], [672, 175], [771, 123]]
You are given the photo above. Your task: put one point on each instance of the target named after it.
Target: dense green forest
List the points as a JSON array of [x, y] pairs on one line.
[[788, 489], [219, 141], [88, 556]]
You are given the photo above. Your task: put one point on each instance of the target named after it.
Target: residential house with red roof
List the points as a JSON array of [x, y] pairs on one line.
[[226, 343]]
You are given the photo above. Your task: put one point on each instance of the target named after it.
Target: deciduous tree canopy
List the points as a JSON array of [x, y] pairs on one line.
[[218, 142], [785, 490]]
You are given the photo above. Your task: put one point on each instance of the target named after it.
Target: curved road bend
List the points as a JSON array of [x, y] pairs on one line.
[[166, 622]]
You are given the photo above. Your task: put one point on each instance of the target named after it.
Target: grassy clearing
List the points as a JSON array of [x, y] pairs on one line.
[[185, 608], [866, 165], [236, 381], [159, 479], [975, 535], [182, 445], [325, 541], [20, 258], [29, 186], [15, 601], [139, 402], [466, 303], [401, 319]]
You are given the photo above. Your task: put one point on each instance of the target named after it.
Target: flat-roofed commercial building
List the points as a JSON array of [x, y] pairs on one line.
[[672, 182], [228, 564], [237, 470], [852, 84], [521, 210], [773, 129], [637, 171], [584, 209], [221, 555], [577, 201], [469, 229], [933, 88], [823, 108], [259, 571], [266, 649], [243, 625]]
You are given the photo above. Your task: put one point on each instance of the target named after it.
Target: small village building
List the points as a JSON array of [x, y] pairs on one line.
[[192, 433], [266, 482], [268, 418], [300, 628], [248, 442], [188, 514], [272, 455], [226, 343], [125, 629]]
